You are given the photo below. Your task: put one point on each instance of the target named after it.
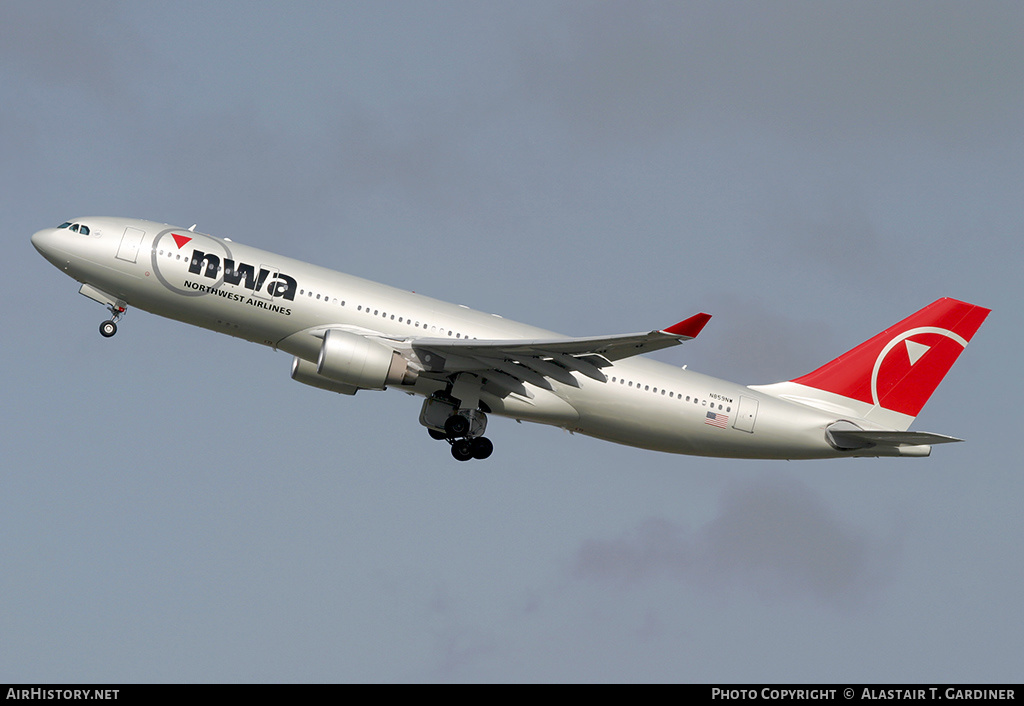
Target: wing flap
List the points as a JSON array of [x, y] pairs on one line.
[[549, 369], [517, 371]]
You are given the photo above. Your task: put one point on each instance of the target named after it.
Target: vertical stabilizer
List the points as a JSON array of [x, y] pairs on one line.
[[897, 370]]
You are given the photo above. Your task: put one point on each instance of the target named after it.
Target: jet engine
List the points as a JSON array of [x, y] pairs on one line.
[[357, 361]]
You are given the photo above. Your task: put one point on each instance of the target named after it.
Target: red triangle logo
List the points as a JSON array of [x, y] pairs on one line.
[[181, 240]]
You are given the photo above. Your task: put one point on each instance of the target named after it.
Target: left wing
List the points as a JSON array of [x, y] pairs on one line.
[[510, 363]]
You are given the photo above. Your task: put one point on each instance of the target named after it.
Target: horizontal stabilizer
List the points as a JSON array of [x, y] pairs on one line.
[[861, 439]]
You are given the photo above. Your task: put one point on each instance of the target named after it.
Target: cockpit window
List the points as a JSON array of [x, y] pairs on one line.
[[84, 230], [74, 228], [65, 224]]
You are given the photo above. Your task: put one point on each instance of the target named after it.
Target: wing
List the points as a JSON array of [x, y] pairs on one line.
[[508, 364]]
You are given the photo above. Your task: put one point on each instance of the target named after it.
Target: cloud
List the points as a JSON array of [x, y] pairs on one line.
[[773, 537]]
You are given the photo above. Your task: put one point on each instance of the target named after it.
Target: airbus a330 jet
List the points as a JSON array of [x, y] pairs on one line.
[[347, 334]]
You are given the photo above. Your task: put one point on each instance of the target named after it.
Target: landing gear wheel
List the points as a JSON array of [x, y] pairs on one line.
[[481, 447], [456, 426], [109, 328], [438, 435], [462, 450]]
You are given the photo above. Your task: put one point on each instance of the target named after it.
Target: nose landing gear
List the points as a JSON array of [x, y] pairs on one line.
[[109, 328], [116, 307]]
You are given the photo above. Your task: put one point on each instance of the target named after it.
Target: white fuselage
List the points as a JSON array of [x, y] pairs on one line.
[[276, 301]]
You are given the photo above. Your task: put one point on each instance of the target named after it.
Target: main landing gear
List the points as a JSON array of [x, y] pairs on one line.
[[462, 428], [109, 328], [465, 449]]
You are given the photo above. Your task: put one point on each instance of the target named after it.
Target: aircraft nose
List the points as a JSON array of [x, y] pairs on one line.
[[45, 241]]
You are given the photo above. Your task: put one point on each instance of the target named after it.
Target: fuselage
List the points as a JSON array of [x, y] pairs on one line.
[[259, 296]]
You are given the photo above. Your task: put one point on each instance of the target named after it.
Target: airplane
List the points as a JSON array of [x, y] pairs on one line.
[[347, 334]]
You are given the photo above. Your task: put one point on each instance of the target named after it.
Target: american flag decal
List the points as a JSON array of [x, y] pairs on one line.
[[716, 420]]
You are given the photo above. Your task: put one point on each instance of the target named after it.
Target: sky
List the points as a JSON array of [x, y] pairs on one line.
[[175, 508]]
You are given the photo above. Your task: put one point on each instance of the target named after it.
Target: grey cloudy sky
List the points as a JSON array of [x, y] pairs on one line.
[[175, 508]]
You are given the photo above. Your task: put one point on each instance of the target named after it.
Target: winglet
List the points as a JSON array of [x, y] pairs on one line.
[[690, 327]]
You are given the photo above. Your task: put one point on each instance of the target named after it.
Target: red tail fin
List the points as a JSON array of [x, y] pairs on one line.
[[900, 368]]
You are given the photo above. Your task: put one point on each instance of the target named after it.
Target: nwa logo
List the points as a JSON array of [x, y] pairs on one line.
[[277, 284]]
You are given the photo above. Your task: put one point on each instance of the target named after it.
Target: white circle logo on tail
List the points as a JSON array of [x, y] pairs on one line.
[[898, 367]]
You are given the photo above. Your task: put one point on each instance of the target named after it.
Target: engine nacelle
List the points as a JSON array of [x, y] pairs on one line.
[[305, 372], [357, 361]]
